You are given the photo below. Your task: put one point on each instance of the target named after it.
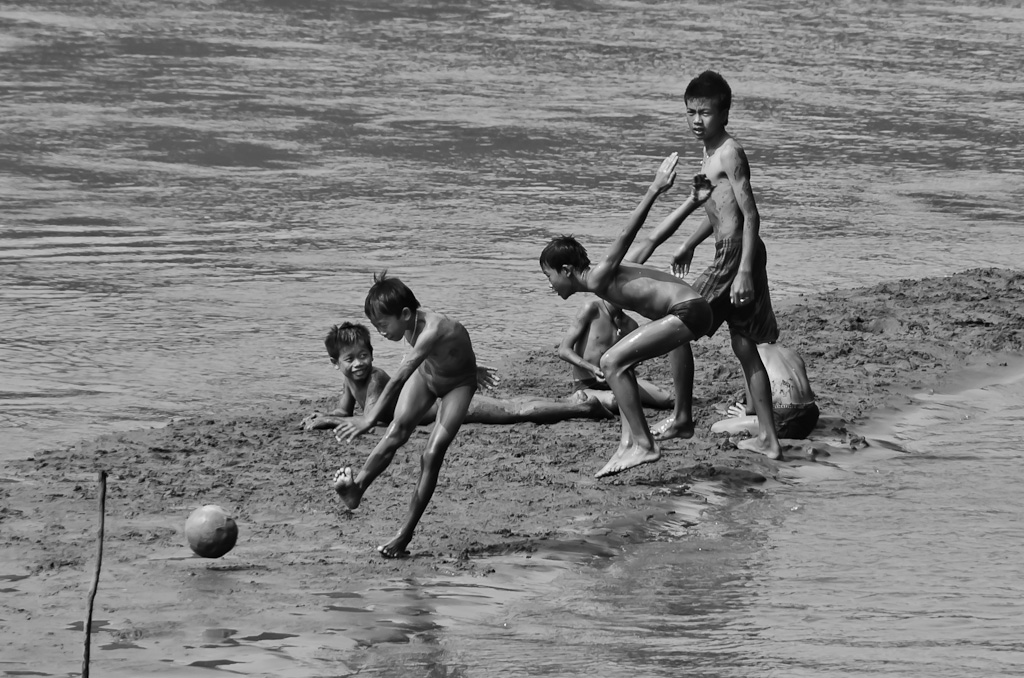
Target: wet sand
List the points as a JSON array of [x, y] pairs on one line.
[[504, 489]]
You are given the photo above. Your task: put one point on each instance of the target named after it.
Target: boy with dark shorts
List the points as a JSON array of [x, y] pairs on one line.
[[736, 283], [678, 315]]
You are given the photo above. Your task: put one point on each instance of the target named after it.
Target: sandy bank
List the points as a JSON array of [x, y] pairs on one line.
[[503, 489]]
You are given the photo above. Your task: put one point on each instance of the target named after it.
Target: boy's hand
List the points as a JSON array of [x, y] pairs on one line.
[[702, 188], [347, 431], [737, 410], [681, 261], [485, 377], [742, 291], [666, 174]]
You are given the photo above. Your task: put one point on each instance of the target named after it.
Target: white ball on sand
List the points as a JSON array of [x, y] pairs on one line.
[[211, 531]]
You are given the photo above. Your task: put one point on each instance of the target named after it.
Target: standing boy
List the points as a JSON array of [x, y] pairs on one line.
[[736, 283], [441, 365], [678, 315]]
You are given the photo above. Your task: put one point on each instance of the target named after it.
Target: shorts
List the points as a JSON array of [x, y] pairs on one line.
[[695, 314], [796, 421], [755, 320]]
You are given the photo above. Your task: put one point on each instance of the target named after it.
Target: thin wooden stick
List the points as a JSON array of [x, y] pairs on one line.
[[102, 479]]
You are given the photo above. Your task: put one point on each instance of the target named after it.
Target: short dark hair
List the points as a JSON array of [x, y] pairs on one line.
[[712, 86], [564, 250], [346, 334], [388, 296]]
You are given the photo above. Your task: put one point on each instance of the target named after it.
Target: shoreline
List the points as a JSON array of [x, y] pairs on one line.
[[503, 489]]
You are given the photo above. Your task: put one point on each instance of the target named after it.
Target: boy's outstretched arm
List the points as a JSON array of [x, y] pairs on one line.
[[602, 274], [699, 194], [684, 255], [356, 426], [567, 349]]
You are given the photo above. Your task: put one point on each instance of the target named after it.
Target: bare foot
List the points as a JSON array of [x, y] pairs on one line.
[[667, 429], [395, 548], [345, 486], [627, 458], [759, 446]]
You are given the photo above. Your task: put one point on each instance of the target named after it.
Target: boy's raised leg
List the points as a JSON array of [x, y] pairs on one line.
[[450, 415], [653, 339], [414, 400]]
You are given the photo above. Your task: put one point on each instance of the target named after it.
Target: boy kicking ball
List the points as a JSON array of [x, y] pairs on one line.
[[441, 365]]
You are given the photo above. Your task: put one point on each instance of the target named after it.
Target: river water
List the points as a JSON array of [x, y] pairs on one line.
[[193, 192]]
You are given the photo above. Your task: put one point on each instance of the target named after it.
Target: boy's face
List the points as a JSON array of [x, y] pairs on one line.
[[355, 362], [705, 118], [392, 327], [560, 280]]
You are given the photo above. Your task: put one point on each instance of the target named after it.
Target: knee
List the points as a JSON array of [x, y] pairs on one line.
[[399, 432], [745, 349], [611, 365]]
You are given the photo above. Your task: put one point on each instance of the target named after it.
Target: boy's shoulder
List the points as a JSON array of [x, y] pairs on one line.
[[440, 322], [594, 305]]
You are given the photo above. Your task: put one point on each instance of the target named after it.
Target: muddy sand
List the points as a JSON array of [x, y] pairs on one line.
[[504, 491]]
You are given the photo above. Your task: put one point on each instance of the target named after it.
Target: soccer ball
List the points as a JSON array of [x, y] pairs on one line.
[[211, 531]]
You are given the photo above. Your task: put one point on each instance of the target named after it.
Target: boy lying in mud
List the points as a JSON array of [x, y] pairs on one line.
[[351, 353], [677, 312]]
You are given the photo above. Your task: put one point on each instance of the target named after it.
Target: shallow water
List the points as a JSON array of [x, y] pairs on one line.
[[899, 559], [194, 192]]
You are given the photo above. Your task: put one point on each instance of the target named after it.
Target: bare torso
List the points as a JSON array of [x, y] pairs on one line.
[[722, 208], [451, 360], [648, 291], [603, 332], [787, 374]]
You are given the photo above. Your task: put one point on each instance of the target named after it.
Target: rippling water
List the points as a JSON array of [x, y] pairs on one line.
[[193, 192]]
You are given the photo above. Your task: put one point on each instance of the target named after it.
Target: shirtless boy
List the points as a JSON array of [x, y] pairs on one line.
[[597, 327], [796, 413], [440, 365], [677, 312], [351, 352], [736, 283]]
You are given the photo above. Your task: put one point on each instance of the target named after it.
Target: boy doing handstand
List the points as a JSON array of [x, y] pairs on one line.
[[351, 353], [678, 316], [441, 365], [736, 283]]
